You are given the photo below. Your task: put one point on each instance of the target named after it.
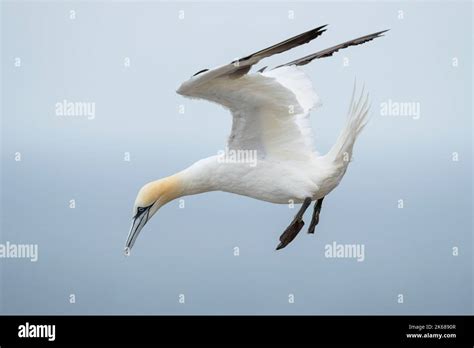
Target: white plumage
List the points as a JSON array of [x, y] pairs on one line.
[[270, 112], [271, 115]]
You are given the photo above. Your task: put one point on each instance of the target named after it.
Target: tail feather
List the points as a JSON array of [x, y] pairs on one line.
[[357, 119]]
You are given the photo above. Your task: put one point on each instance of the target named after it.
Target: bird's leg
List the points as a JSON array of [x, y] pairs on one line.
[[315, 218], [295, 226]]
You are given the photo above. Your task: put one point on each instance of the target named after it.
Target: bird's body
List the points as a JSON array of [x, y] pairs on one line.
[[271, 180], [271, 126], [271, 117]]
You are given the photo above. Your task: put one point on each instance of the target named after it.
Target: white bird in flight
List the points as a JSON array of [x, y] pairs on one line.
[[270, 116]]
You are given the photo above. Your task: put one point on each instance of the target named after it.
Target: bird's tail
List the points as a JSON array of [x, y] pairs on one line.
[[341, 152]]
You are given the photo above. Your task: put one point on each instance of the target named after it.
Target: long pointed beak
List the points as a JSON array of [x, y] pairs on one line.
[[137, 225]]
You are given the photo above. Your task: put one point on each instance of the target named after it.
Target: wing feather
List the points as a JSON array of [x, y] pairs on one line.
[[270, 109], [242, 66], [270, 112], [331, 50]]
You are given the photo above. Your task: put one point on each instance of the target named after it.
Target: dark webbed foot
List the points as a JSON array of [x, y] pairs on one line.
[[296, 225], [290, 233], [315, 218]]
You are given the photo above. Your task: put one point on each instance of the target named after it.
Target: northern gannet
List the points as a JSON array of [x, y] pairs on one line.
[[270, 110]]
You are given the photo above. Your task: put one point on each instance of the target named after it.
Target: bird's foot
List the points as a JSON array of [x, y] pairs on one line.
[[315, 218], [290, 233], [314, 222]]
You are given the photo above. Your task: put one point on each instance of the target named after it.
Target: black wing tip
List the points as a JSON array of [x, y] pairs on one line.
[[293, 42], [311, 34], [330, 51], [369, 37], [380, 33], [319, 30], [316, 29]]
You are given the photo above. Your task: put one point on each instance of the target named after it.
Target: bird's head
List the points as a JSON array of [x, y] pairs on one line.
[[150, 198]]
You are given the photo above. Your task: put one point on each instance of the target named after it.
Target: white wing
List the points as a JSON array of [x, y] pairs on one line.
[[271, 109]]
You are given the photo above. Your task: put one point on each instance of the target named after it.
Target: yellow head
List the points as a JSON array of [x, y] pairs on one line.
[[150, 198]]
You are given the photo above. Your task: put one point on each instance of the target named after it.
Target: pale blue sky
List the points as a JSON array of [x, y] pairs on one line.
[[190, 251]]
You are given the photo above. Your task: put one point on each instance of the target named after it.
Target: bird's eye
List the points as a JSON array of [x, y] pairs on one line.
[[140, 211], [200, 71]]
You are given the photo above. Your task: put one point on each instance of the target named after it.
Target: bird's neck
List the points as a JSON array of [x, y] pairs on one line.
[[197, 178]]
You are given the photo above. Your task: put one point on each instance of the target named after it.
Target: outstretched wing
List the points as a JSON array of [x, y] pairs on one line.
[[270, 109], [242, 66]]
